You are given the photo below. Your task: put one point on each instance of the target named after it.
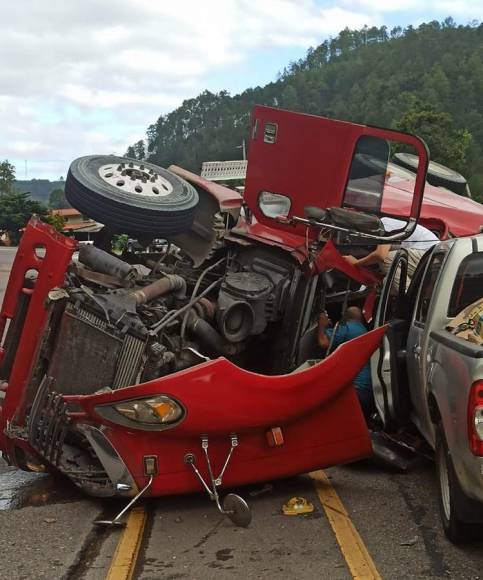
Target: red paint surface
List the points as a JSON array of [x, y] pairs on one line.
[[51, 269], [317, 409], [329, 257], [310, 162], [459, 215], [227, 198], [270, 235]]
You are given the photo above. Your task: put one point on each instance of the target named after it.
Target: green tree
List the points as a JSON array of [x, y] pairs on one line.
[[131, 152], [15, 211], [288, 98], [7, 177], [57, 199], [56, 221], [140, 150], [370, 75], [119, 243], [447, 144]]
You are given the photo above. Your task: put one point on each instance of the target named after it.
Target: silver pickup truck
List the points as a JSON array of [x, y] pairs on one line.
[[425, 374]]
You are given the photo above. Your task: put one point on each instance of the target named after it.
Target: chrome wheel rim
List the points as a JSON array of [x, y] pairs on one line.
[[444, 483], [135, 178]]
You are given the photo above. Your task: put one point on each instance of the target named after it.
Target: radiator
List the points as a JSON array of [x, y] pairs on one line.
[[90, 354]]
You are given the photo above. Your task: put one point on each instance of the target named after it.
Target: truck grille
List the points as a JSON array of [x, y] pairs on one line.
[[90, 354]]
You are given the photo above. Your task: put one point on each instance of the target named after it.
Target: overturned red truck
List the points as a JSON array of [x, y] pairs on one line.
[[187, 370]]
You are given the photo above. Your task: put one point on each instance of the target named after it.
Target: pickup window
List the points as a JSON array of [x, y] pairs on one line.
[[468, 284], [427, 287]]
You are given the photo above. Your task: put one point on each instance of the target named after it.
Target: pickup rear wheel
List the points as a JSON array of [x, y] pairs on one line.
[[456, 530]]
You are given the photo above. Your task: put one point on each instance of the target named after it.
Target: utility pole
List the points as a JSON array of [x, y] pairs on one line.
[[243, 147]]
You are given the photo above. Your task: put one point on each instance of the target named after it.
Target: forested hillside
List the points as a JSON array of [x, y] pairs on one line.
[[39, 189], [427, 80]]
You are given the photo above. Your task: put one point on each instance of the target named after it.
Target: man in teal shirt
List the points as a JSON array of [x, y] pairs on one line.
[[349, 328]]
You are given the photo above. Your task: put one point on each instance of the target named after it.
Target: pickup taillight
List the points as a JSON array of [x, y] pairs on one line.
[[475, 418]]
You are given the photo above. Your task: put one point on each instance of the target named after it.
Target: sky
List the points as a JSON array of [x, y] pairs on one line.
[[81, 77]]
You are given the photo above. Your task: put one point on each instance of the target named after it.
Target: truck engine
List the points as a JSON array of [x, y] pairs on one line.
[[115, 324]]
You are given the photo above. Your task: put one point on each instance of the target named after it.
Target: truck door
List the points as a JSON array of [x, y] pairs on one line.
[[297, 161], [418, 355], [385, 362]]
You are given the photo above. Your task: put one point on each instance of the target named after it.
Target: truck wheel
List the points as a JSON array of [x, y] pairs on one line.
[[131, 197], [456, 530], [438, 175]]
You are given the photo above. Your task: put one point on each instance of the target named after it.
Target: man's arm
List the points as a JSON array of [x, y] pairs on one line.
[[322, 337], [339, 332], [377, 256]]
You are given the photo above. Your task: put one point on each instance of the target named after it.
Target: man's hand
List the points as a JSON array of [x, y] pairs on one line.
[[351, 259], [324, 320], [322, 338], [377, 256]]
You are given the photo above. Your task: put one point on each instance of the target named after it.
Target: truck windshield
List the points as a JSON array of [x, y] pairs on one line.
[[367, 174]]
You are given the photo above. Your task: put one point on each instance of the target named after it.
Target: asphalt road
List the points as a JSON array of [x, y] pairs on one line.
[[48, 531], [7, 256]]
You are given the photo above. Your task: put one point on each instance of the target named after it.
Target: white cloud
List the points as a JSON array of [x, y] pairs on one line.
[[439, 9], [80, 75], [136, 45]]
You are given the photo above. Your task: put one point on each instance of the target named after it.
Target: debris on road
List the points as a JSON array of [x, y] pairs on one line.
[[265, 489], [297, 505], [410, 542]]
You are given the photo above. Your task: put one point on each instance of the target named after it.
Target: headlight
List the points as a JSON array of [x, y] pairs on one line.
[[148, 413], [155, 410]]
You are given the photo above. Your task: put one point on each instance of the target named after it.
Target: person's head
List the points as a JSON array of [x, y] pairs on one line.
[[353, 313]]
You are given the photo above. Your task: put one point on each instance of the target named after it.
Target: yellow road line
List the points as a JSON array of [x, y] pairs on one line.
[[360, 563], [125, 556]]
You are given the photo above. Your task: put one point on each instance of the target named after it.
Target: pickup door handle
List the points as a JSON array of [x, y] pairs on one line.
[[417, 349]]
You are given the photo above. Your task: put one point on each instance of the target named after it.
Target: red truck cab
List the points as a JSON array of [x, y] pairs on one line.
[[153, 382]]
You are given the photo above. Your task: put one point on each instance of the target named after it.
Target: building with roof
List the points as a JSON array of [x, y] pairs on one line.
[[76, 224]]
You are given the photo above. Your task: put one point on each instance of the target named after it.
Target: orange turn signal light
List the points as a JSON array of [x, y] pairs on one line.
[[275, 437]]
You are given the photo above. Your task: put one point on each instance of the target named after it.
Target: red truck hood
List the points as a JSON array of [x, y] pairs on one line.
[[461, 215]]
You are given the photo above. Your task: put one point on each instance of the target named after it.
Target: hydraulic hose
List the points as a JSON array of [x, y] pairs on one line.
[[195, 290], [105, 263], [170, 283], [211, 340], [175, 313]]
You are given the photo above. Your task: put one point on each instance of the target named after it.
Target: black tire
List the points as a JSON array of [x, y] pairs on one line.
[[455, 529], [438, 175], [366, 165], [106, 194]]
